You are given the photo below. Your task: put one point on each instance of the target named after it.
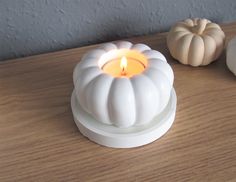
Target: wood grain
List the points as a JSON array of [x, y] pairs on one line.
[[40, 142]]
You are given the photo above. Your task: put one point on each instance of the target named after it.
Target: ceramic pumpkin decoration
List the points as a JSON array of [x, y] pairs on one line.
[[231, 56], [196, 42], [108, 98]]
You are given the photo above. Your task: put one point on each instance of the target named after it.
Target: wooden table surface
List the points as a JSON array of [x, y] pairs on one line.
[[39, 140]]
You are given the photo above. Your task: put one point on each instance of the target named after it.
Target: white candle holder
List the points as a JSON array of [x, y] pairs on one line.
[[127, 110]]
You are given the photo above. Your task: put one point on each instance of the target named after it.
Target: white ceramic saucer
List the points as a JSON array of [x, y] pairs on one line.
[[115, 137]]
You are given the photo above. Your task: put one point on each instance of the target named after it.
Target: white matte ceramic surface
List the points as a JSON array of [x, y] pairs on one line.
[[231, 55], [120, 101], [112, 136]]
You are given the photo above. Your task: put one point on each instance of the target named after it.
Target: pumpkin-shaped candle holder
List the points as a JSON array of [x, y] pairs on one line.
[[196, 42], [123, 95]]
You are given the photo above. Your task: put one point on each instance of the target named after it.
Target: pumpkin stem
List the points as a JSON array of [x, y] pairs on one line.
[[200, 26]]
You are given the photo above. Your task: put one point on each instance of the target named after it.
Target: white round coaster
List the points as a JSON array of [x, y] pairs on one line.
[[135, 136]]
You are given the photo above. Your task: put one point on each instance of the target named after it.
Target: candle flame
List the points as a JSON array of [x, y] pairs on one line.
[[123, 65]]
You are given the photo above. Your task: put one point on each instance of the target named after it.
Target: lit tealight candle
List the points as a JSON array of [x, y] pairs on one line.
[[124, 65]]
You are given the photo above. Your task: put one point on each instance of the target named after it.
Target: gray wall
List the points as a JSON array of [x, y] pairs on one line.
[[30, 27]]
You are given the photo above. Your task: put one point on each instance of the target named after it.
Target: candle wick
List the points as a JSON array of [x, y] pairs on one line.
[[123, 72]]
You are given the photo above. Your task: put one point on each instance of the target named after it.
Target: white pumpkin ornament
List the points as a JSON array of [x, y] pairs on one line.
[[231, 55], [123, 111], [196, 42]]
